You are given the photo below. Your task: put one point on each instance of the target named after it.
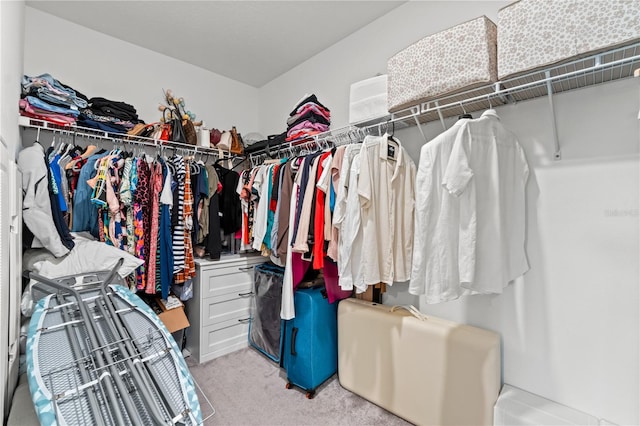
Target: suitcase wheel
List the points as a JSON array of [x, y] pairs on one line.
[[288, 385], [310, 394]]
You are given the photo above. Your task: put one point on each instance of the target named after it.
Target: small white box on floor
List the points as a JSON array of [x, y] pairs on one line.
[[516, 407], [368, 99]]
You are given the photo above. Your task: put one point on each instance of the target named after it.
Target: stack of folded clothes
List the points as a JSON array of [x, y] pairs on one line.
[[308, 118], [45, 98], [110, 116]]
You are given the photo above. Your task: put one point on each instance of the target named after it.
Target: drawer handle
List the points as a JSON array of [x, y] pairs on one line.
[[246, 268], [244, 320], [249, 293]]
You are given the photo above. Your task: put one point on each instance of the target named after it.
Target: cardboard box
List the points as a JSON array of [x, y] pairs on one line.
[[174, 319]]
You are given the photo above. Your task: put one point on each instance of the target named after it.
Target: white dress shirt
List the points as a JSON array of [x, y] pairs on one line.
[[434, 270], [261, 184], [488, 171], [386, 188], [350, 242]]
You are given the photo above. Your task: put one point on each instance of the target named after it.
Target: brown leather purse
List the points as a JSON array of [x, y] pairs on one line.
[[237, 146], [190, 132]]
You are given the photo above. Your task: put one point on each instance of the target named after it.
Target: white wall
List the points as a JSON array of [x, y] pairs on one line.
[[99, 65], [362, 55], [570, 328], [11, 54], [11, 51]]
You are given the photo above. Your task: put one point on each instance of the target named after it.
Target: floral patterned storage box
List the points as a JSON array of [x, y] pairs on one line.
[[459, 58], [537, 33]]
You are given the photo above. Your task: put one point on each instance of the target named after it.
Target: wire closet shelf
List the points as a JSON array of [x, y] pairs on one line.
[[118, 139], [610, 65], [588, 71]]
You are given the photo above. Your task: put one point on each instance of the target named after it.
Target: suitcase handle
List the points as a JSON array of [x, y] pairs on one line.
[[294, 333], [412, 310]]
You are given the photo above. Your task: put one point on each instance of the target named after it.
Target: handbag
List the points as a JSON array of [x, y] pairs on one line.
[[225, 141], [137, 130], [237, 146], [214, 137], [190, 134], [177, 131]]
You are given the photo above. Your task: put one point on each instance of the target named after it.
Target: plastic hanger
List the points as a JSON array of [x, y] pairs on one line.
[[465, 114]]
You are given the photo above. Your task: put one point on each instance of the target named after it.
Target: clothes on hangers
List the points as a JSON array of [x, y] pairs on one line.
[[437, 224], [386, 186], [139, 204], [37, 210], [309, 210], [470, 221], [488, 171]]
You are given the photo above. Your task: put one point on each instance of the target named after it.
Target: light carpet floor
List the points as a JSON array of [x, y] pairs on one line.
[[246, 388]]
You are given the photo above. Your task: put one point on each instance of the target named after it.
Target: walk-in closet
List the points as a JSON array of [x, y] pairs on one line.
[[320, 212]]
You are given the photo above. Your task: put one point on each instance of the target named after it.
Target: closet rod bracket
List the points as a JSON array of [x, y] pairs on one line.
[[554, 127], [444, 126]]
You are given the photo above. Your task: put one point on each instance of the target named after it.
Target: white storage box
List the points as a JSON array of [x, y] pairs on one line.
[[516, 407], [459, 58], [536, 33], [368, 99], [203, 136]]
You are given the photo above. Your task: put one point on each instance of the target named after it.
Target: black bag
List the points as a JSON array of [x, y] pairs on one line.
[[177, 131], [272, 141]]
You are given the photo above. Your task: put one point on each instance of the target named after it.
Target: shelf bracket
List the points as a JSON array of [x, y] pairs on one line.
[[444, 126], [556, 142], [415, 117]]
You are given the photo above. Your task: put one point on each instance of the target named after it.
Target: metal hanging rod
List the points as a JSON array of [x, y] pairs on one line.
[[115, 138]]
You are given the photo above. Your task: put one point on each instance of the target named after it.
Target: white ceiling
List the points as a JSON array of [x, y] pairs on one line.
[[248, 41]]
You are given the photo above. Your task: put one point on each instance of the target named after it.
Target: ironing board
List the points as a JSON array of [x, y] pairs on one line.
[[97, 354]]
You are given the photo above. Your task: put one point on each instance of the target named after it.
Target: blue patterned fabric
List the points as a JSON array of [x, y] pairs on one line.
[[42, 398]]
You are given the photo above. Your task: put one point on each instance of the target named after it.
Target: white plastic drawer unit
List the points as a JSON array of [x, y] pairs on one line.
[[219, 313], [220, 308], [218, 342], [226, 281]]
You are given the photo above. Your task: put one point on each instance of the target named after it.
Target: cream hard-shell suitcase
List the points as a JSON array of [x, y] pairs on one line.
[[427, 370]]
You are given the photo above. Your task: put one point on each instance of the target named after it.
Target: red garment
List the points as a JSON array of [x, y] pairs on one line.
[[318, 220], [273, 204]]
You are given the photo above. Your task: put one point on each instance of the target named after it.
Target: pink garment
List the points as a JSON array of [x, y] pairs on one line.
[[307, 125], [28, 110], [312, 106], [301, 134], [330, 272]]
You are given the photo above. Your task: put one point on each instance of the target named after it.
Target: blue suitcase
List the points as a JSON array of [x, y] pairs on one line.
[[311, 341]]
